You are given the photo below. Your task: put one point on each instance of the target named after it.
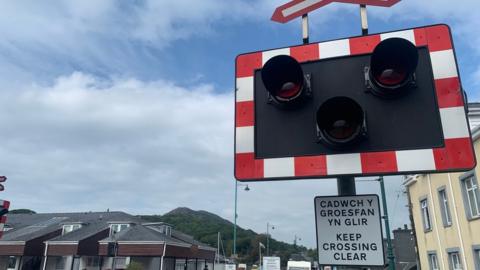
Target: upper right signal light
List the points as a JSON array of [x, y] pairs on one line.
[[392, 67]]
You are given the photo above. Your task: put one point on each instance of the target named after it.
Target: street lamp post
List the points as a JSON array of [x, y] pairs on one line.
[[235, 217], [268, 237]]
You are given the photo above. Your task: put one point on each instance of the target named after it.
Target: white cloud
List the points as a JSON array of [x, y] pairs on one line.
[[82, 138]]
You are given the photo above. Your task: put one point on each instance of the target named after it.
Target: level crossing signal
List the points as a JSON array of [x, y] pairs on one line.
[[4, 206], [388, 103], [2, 180]]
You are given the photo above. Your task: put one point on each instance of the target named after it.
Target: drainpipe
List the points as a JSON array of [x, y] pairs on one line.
[[73, 261], [45, 255], [163, 254]]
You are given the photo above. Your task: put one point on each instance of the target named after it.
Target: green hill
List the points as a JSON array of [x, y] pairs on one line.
[[204, 226]]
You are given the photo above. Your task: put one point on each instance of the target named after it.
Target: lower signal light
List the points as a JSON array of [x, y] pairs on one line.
[[340, 122]]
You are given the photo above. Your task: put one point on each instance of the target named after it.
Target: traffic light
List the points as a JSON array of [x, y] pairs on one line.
[[4, 206], [2, 180], [388, 103]]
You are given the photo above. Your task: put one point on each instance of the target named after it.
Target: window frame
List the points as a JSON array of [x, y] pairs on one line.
[[444, 206], [452, 252], [71, 226], [425, 213], [120, 225], [470, 176], [476, 256]]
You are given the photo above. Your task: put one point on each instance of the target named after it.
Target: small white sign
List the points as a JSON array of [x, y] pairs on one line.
[[230, 267], [271, 263], [349, 230]]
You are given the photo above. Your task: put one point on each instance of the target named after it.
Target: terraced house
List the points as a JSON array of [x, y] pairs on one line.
[[100, 240], [446, 213]]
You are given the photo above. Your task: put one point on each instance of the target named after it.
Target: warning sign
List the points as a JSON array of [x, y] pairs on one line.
[[349, 230]]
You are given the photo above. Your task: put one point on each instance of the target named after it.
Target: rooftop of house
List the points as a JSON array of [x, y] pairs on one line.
[[25, 227]]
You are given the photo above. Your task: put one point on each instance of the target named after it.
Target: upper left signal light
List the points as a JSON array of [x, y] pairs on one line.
[[285, 80]]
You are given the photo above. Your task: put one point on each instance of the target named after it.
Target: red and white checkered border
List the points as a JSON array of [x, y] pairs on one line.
[[3, 219], [457, 154]]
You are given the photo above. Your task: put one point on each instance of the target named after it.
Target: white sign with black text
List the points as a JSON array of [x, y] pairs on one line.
[[349, 230], [271, 263]]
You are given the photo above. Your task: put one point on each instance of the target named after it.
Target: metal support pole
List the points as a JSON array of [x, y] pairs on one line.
[[346, 185], [390, 256], [260, 255], [363, 17], [235, 224], [305, 28], [268, 238]]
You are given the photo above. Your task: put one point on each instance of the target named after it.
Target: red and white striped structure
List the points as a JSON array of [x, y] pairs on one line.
[[457, 155], [3, 219]]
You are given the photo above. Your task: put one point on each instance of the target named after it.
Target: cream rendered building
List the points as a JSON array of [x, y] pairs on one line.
[[446, 213]]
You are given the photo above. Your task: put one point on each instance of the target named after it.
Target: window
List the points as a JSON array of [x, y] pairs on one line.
[[433, 261], [115, 228], [12, 262], [180, 264], [427, 225], [120, 262], [455, 262], [471, 196], [60, 263], [443, 199], [476, 256], [70, 228], [93, 261]]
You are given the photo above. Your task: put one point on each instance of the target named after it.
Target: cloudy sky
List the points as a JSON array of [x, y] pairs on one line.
[[128, 105]]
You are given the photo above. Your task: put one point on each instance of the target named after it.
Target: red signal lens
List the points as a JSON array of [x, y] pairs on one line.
[[289, 90], [391, 76]]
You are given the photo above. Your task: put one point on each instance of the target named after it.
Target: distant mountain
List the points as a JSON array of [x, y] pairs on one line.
[[21, 211], [204, 226]]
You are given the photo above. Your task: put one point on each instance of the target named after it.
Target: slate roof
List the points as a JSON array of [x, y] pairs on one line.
[[138, 232], [30, 226]]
